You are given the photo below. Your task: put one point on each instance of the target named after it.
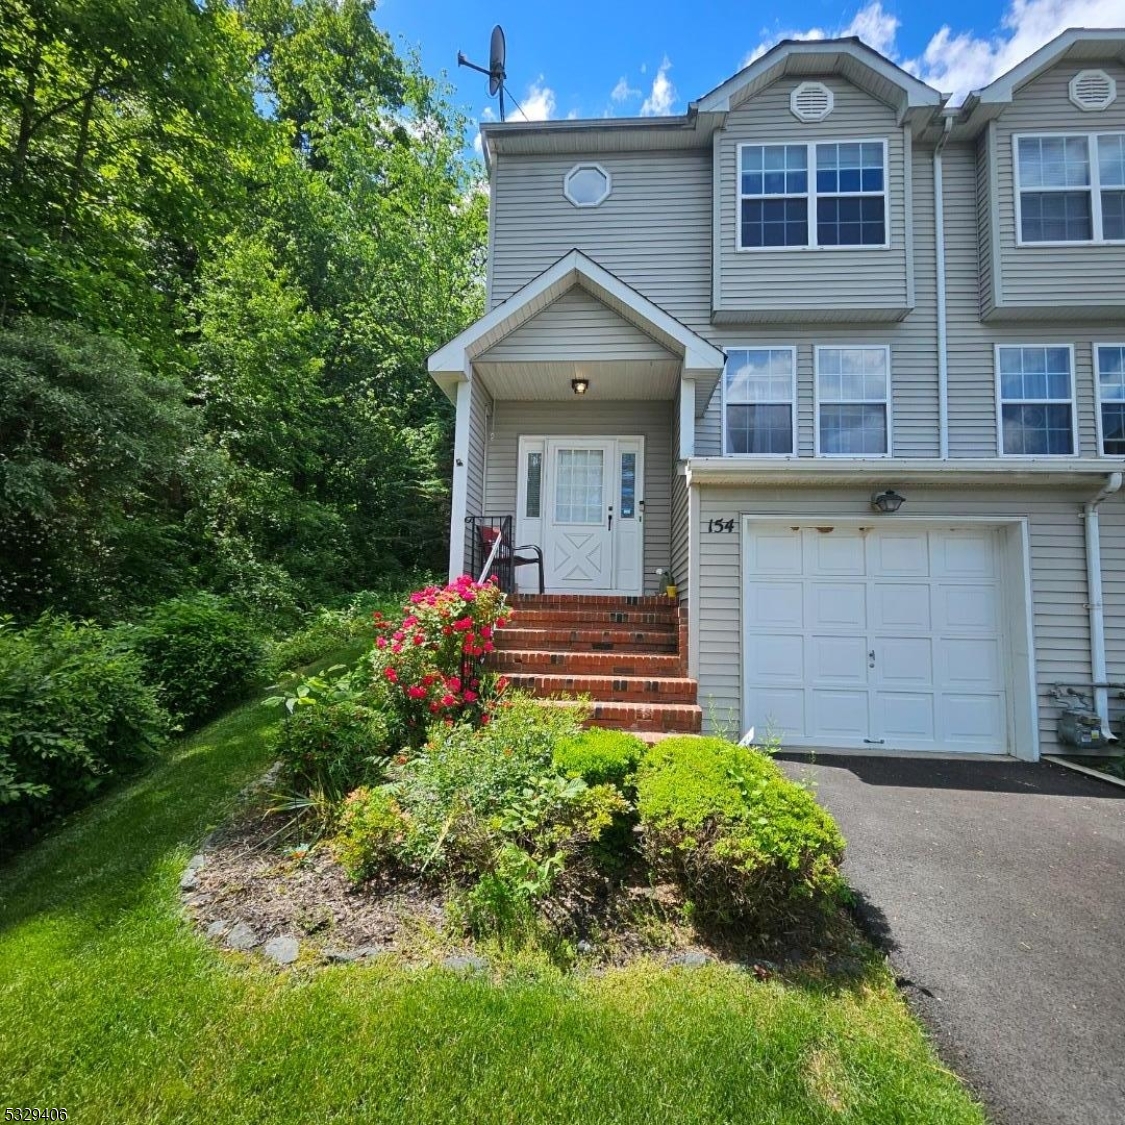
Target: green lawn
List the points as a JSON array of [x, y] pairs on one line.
[[111, 1007]]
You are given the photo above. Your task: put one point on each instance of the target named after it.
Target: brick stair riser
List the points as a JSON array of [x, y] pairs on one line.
[[562, 618], [610, 689], [589, 601], [667, 718], [587, 663], [586, 640]]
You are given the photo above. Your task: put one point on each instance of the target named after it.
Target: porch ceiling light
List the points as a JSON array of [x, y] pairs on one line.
[[888, 501], [580, 386]]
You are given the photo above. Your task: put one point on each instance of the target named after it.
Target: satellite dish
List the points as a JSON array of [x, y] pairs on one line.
[[497, 55]]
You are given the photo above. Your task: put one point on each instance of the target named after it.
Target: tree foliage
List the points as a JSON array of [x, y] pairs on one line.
[[230, 233]]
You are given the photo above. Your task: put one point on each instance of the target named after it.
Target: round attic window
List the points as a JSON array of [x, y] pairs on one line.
[[587, 185]]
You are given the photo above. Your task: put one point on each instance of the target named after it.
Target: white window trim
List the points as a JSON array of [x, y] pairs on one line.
[[791, 348], [887, 402], [581, 166], [1096, 345], [811, 194], [1094, 187], [996, 349]]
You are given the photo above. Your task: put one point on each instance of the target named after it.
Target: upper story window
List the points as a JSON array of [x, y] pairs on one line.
[[587, 185], [1109, 365], [853, 401], [759, 392], [1071, 188], [844, 203], [1036, 400]]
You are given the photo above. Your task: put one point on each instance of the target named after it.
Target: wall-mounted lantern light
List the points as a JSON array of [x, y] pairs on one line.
[[580, 386], [887, 502]]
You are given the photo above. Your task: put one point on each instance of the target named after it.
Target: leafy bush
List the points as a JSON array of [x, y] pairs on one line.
[[200, 652], [601, 757], [75, 712], [744, 841], [372, 830], [325, 631]]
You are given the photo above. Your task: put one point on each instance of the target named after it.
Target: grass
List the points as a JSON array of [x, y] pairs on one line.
[[115, 1010]]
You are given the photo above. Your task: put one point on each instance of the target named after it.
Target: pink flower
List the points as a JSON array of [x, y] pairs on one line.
[[448, 700], [408, 621], [391, 675], [398, 635], [453, 683], [501, 622], [419, 639], [434, 708], [463, 624], [471, 697], [381, 642], [416, 692], [488, 646], [486, 631]]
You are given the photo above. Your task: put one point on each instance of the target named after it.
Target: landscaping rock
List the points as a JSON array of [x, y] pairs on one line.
[[584, 947], [363, 953], [692, 959], [242, 937], [189, 880], [466, 964], [282, 950], [218, 929], [196, 862]]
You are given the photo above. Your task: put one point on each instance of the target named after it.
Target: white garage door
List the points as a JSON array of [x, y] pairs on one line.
[[871, 637]]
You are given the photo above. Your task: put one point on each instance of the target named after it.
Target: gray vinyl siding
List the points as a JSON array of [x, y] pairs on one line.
[[653, 232], [1058, 579], [985, 249], [651, 420], [680, 531], [576, 327], [827, 283], [1052, 277], [972, 357]]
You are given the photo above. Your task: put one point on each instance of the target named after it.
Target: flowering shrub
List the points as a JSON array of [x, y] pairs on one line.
[[430, 664]]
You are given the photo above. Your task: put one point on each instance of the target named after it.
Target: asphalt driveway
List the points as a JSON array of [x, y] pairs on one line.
[[999, 891]]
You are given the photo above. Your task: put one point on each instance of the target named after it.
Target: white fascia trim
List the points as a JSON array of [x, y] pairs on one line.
[[460, 491], [1003, 88], [917, 93], [457, 355]]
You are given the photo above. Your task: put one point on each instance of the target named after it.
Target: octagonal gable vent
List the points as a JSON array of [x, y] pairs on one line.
[[1092, 90], [811, 101]]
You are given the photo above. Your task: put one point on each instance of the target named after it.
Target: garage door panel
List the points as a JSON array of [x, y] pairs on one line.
[[774, 658], [838, 715], [970, 662], [905, 717], [778, 713], [837, 605], [973, 721], [926, 603], [835, 551], [776, 551], [837, 660], [774, 605], [901, 606], [899, 554]]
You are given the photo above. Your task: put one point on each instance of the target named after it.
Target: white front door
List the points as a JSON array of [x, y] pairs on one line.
[[871, 637], [582, 500]]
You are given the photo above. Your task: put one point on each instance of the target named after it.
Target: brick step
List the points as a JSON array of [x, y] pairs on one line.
[[610, 689], [589, 618], [682, 718], [533, 660], [588, 640], [590, 601]]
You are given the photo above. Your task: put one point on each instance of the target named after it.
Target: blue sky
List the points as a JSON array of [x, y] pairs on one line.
[[624, 57]]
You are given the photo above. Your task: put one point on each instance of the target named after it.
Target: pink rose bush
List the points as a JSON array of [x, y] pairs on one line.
[[431, 663]]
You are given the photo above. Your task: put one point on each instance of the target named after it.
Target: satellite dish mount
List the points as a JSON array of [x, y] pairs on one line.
[[497, 55]]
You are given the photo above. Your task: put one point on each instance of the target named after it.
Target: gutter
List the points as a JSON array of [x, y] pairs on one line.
[[1094, 592], [942, 327]]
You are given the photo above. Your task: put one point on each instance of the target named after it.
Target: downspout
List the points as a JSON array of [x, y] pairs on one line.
[[939, 257], [1094, 591]]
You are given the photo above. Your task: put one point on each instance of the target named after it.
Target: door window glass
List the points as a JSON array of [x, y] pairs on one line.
[[579, 477], [628, 486]]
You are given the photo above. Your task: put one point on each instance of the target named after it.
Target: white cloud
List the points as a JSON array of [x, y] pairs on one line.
[[478, 145], [623, 92], [958, 62], [538, 104], [663, 94]]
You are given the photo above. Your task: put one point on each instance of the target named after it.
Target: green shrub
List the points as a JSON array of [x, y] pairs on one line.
[[744, 841], [601, 757], [324, 632], [75, 712], [373, 829], [200, 652]]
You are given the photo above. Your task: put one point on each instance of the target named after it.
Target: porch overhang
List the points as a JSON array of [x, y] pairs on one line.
[[682, 355]]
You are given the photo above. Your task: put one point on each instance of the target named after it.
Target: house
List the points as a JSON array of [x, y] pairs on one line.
[[819, 293]]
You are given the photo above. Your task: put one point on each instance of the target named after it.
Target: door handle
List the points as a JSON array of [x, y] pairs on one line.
[[871, 659], [610, 527]]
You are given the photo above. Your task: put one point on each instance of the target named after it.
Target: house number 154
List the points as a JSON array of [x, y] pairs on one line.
[[720, 525]]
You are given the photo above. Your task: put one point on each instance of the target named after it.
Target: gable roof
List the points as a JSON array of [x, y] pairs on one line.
[[851, 58], [453, 363]]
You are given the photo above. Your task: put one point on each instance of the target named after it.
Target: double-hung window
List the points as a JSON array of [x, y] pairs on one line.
[[1036, 400], [759, 387], [843, 202], [1071, 187], [853, 401], [1109, 364]]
